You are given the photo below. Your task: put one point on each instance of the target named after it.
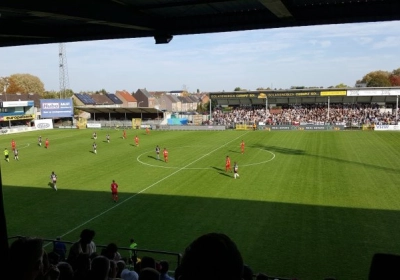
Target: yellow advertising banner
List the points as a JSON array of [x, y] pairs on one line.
[[136, 123], [333, 93], [82, 123], [16, 118]]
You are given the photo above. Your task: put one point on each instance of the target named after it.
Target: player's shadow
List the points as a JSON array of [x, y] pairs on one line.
[[153, 157], [217, 168], [233, 151], [91, 152], [132, 145], [226, 174], [105, 141], [50, 184]]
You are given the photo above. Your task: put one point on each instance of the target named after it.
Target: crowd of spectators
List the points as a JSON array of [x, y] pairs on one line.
[[335, 114], [212, 256], [30, 261]]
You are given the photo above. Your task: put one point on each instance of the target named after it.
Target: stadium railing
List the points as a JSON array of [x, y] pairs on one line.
[[173, 258]]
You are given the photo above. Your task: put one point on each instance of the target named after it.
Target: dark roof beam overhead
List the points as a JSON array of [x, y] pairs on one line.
[[98, 12], [277, 8], [175, 4]]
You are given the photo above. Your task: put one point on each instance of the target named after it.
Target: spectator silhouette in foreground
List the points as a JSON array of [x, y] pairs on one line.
[[26, 258], [213, 256], [100, 268]]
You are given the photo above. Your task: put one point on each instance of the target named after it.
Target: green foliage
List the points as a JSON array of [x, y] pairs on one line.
[[376, 79], [341, 85], [302, 199], [51, 94]]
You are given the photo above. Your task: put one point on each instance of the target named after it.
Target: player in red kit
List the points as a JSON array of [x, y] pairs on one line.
[[147, 131], [124, 134], [114, 191], [13, 144], [228, 164], [46, 143], [242, 147], [137, 141], [165, 153]]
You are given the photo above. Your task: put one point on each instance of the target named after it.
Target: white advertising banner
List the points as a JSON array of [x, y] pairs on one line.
[[44, 124], [93, 125], [373, 92], [387, 127]]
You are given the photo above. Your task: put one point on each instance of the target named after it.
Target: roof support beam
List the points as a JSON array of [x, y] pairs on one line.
[[277, 8]]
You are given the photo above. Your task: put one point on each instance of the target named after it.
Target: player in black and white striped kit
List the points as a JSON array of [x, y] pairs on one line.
[[235, 170]]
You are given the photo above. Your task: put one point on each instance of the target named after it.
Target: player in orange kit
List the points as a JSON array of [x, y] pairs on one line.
[[165, 153], [228, 164], [242, 147]]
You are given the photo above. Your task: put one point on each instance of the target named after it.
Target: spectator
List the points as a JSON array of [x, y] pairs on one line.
[[84, 245], [149, 274], [213, 256], [60, 248], [26, 258], [100, 268], [82, 267], [261, 276], [164, 267], [247, 273], [66, 271]]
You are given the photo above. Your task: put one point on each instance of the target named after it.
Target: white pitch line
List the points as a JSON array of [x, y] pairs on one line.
[[200, 168], [145, 189]]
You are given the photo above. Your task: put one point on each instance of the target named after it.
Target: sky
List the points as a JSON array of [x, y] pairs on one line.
[[324, 55]]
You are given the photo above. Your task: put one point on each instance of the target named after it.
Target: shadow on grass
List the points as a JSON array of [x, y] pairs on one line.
[[301, 152], [153, 157], [217, 168], [284, 239], [280, 150], [226, 174], [50, 184]]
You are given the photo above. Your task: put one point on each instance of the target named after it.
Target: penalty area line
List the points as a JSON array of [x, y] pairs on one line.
[[145, 189]]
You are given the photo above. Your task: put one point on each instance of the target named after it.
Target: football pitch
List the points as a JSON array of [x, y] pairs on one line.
[[307, 204]]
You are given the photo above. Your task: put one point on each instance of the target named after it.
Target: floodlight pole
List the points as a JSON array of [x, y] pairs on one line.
[[141, 113], [266, 105], [210, 107], [397, 109], [329, 102]]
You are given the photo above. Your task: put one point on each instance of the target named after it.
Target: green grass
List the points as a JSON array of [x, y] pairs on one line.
[[307, 204]]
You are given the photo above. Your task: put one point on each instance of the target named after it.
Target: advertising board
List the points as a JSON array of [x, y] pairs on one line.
[[56, 108], [44, 124]]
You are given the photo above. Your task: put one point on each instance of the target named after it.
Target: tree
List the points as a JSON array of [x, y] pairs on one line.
[[102, 91], [261, 88], [396, 72], [394, 80], [341, 85], [376, 79], [395, 77], [238, 89], [52, 94], [25, 83]]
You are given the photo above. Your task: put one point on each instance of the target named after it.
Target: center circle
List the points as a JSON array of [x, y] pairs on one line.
[[201, 168]]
